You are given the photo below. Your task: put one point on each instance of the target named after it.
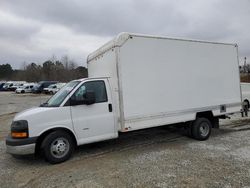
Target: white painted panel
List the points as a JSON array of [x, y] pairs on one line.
[[105, 66], [164, 75]]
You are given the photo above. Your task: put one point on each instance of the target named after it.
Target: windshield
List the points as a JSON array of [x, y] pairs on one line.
[[22, 87], [51, 86], [59, 97]]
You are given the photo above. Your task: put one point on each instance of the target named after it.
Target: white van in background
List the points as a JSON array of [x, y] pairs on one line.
[[16, 84], [26, 88], [52, 89], [57, 88], [7, 85]]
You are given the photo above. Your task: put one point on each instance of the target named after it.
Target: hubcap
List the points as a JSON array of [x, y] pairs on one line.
[[59, 147], [204, 129]]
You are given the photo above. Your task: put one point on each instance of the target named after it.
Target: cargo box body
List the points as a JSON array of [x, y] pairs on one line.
[[157, 81]]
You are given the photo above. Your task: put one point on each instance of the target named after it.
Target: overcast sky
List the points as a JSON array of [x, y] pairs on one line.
[[34, 30]]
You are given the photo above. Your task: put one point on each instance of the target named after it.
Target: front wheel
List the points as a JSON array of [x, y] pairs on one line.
[[201, 129], [57, 147]]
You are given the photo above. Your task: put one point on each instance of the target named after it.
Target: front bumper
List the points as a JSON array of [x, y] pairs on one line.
[[21, 146]]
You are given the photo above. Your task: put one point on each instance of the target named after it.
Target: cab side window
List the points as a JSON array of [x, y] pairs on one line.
[[79, 94], [98, 87]]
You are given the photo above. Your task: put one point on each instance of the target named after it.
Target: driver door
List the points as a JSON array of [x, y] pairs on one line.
[[93, 122]]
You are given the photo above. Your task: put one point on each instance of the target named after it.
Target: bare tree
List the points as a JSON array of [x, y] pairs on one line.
[[65, 61]]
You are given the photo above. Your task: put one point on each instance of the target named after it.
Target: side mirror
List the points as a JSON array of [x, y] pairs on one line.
[[74, 102], [89, 98]]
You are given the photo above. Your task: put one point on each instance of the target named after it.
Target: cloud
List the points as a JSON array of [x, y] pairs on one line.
[[99, 17], [16, 28], [37, 29]]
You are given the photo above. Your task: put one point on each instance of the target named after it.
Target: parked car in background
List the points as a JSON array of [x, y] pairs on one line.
[[16, 85], [12, 85], [58, 87], [1, 85], [52, 89], [41, 85], [47, 89], [26, 88], [245, 90], [7, 85]]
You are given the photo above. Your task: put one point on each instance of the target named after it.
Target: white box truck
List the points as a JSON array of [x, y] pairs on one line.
[[135, 82]]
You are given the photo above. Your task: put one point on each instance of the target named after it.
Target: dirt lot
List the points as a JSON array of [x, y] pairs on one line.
[[159, 157]]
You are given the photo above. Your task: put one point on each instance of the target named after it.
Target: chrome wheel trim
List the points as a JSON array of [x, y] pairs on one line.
[[59, 147], [204, 129]]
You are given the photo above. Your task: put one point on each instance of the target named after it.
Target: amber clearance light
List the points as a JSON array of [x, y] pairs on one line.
[[19, 129], [19, 135]]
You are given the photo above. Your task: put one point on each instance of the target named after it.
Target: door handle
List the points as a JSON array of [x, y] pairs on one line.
[[110, 108]]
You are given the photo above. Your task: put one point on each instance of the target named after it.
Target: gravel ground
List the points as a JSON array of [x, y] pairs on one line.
[[158, 157], [11, 102]]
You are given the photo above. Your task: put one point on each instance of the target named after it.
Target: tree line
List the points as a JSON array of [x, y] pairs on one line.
[[245, 71], [57, 70]]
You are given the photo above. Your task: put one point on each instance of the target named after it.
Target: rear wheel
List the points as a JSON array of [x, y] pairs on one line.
[[201, 129], [22, 91], [57, 147]]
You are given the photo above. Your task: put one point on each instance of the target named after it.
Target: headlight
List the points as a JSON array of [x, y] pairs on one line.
[[19, 129]]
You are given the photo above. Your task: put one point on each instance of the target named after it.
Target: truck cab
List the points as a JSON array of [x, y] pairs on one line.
[[80, 113]]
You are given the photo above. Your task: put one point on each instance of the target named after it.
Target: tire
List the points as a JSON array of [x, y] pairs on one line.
[[201, 129], [22, 91], [57, 147], [187, 129]]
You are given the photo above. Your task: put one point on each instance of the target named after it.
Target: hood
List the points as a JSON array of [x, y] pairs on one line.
[[27, 114], [42, 118]]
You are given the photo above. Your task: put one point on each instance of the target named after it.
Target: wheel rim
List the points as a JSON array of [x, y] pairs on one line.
[[204, 129], [59, 147]]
